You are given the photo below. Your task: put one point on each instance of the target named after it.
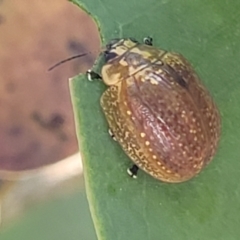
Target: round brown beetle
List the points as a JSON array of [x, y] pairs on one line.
[[158, 110]]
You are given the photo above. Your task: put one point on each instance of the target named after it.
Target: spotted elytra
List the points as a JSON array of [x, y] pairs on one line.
[[158, 110]]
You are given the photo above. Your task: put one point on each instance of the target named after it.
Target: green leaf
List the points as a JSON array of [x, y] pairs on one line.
[[207, 33]]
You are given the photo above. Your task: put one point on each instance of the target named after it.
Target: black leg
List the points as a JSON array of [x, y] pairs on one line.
[[133, 171], [112, 134], [92, 75], [148, 41]]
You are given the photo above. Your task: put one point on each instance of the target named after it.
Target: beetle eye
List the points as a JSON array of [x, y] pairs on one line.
[[109, 55], [112, 43], [133, 40]]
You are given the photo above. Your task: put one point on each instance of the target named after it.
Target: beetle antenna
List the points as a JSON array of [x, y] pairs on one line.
[[66, 60]]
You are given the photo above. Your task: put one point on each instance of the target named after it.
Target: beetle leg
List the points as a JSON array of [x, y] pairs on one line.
[[91, 75], [112, 134], [133, 171], [148, 41]]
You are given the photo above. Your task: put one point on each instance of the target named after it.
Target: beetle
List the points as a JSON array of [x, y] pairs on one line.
[[158, 110]]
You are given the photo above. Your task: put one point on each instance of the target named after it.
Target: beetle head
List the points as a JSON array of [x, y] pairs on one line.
[[117, 48], [116, 66]]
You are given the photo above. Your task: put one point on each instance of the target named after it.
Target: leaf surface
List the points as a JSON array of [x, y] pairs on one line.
[[207, 207]]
